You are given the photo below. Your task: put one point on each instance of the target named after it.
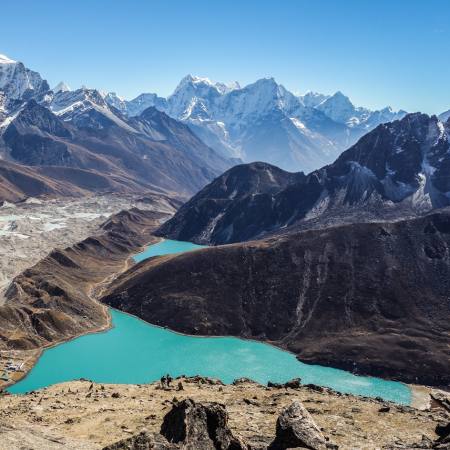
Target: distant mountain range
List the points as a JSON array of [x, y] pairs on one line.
[[397, 170], [83, 140], [60, 142], [264, 121]]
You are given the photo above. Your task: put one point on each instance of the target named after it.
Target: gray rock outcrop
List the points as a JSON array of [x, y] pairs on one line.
[[296, 429]]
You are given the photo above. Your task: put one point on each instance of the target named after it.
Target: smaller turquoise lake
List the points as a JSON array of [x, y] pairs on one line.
[[166, 247], [134, 351]]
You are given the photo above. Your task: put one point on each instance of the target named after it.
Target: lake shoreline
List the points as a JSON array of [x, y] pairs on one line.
[[420, 394], [266, 363], [418, 397]]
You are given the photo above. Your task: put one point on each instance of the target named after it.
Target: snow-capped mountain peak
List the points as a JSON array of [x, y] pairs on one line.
[[190, 88], [196, 82], [86, 108], [259, 98], [18, 82], [338, 107], [205, 82]]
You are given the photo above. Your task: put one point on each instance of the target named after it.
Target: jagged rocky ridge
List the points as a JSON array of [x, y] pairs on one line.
[[397, 170], [372, 298]]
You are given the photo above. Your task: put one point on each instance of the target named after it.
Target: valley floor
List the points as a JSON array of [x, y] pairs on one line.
[[84, 415]]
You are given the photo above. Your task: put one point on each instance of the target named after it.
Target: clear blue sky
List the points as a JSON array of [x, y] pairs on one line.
[[378, 52]]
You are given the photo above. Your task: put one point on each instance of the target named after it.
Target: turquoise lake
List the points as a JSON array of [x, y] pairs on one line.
[[166, 247], [134, 351]]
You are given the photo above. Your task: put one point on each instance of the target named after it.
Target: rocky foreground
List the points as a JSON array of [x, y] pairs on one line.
[[84, 415]]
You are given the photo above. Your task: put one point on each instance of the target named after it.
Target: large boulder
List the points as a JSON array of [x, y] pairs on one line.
[[187, 426], [296, 429], [200, 426]]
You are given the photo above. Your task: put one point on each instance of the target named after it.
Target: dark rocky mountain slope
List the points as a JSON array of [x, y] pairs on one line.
[[370, 297], [397, 170], [234, 207]]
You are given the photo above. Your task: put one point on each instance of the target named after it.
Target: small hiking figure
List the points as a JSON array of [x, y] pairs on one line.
[[163, 382], [169, 380]]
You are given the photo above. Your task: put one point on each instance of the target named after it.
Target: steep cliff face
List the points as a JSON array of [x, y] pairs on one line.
[[373, 298]]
